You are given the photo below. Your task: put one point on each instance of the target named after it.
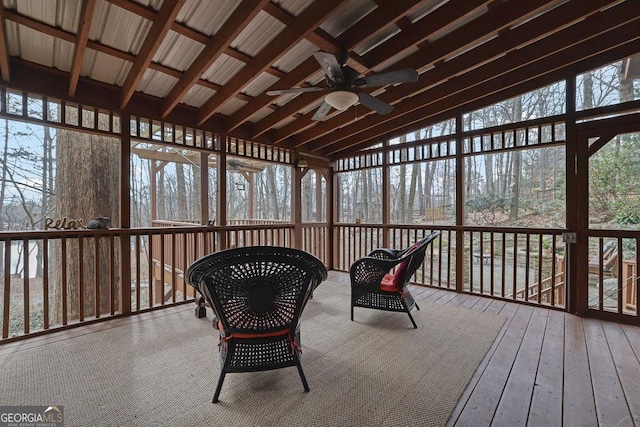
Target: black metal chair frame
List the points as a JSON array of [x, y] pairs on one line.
[[367, 275], [257, 294]]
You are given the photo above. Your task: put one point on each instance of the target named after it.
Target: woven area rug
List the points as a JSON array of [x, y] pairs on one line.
[[375, 371]]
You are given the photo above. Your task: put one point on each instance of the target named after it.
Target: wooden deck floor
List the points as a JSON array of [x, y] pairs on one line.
[[547, 368]]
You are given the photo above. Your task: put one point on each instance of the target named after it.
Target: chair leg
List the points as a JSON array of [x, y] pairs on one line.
[[412, 321], [416, 304], [302, 377], [218, 388], [352, 311]]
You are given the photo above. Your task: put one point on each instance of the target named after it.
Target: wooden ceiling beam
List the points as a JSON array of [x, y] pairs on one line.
[[380, 19], [159, 29], [377, 20], [294, 78], [241, 16], [4, 48], [86, 16], [535, 82], [318, 37], [182, 29], [487, 24], [418, 32], [360, 31], [464, 90], [102, 48], [305, 23]]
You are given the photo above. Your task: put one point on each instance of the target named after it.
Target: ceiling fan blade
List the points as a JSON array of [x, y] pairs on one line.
[[392, 77], [322, 111], [375, 104], [331, 67], [295, 90]]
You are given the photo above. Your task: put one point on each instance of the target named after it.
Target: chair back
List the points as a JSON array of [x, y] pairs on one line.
[[257, 288], [412, 259]]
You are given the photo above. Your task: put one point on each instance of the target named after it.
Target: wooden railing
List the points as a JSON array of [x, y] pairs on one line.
[[57, 279], [517, 264], [504, 263], [613, 275], [358, 240], [315, 240], [60, 278]]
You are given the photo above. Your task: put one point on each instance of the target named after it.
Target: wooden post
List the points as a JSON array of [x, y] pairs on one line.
[[333, 200], [386, 194], [329, 219], [204, 187], [125, 214], [460, 196], [296, 205], [221, 217]]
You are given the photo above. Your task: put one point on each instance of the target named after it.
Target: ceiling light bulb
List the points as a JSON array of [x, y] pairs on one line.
[[341, 99]]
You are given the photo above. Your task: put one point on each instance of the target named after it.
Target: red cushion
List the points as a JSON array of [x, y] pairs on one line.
[[398, 276], [400, 271], [387, 284], [254, 335]]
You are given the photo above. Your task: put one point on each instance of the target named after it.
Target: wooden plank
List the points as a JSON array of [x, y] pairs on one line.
[[546, 401], [611, 407], [633, 335], [458, 299], [496, 306], [481, 304], [579, 406], [446, 297], [513, 408], [472, 300], [436, 295], [482, 404], [476, 377], [627, 366]]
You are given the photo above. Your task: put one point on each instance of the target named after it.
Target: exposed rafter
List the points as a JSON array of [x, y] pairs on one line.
[[242, 15], [430, 53], [159, 29], [86, 14], [378, 20], [304, 24], [563, 49], [4, 50]]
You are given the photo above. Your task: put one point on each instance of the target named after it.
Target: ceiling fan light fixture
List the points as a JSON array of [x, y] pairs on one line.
[[341, 99]]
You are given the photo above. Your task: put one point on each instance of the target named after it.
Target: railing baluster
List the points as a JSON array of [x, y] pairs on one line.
[[45, 282], [25, 283], [96, 275]]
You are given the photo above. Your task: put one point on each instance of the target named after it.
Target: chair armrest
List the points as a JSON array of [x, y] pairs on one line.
[[367, 272]]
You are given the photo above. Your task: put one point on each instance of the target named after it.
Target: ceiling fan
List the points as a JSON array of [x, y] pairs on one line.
[[343, 82]]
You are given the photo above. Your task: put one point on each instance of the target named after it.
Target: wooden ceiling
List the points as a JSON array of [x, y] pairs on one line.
[[209, 63]]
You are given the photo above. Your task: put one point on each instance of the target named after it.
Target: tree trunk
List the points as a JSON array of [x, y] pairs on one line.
[[181, 193], [87, 187], [272, 193]]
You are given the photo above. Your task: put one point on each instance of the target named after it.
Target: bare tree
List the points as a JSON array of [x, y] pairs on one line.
[[87, 187]]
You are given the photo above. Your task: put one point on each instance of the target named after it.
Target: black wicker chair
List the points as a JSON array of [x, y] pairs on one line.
[[258, 294], [374, 285]]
